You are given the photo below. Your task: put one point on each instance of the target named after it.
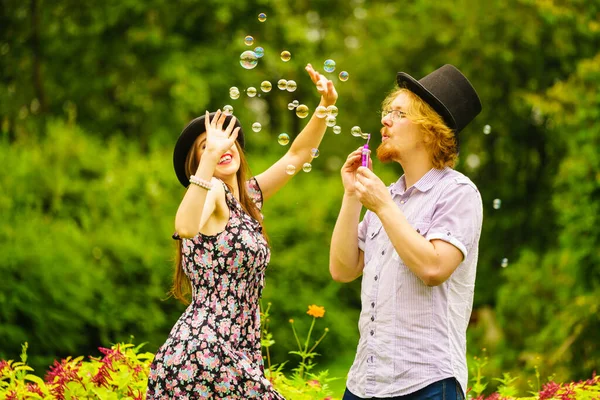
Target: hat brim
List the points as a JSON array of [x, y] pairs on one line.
[[186, 140], [407, 81]]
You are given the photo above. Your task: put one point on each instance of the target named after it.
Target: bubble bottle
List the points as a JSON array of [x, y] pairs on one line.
[[366, 152]]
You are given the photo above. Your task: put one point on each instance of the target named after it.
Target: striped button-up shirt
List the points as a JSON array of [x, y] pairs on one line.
[[411, 334]]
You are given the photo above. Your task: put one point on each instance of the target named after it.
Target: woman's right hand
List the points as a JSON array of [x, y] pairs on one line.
[[349, 170], [219, 140]]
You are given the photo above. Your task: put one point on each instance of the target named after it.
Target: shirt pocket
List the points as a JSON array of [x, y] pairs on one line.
[[374, 232]]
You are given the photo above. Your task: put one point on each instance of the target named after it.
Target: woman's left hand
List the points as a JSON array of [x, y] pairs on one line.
[[324, 86]]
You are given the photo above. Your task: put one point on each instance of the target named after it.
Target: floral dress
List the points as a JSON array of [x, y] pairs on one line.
[[214, 350]]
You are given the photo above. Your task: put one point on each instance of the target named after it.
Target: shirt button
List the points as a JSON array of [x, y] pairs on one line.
[[373, 304], [418, 231], [372, 318], [375, 277], [383, 251], [372, 333], [402, 202]]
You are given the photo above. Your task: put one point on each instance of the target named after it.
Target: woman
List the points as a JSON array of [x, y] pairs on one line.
[[214, 351]]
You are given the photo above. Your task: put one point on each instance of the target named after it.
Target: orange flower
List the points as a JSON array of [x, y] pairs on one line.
[[316, 311]]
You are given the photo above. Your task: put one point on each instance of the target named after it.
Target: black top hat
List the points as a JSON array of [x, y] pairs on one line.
[[448, 92], [189, 134]]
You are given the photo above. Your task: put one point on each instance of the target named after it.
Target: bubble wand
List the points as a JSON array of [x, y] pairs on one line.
[[366, 152]]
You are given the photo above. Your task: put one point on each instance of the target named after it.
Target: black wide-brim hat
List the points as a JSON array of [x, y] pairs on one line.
[[186, 140], [448, 92]]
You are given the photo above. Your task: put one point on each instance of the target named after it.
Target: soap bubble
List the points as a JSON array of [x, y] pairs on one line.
[[321, 112], [496, 204], [344, 76], [337, 129], [355, 131], [329, 66], [290, 169], [282, 84], [365, 135], [291, 106], [307, 167], [295, 103], [487, 129], [259, 51], [314, 152], [291, 86], [228, 110], [234, 92], [256, 127], [332, 111], [248, 59], [262, 17], [251, 91], [330, 121], [283, 139], [504, 263], [286, 56], [266, 86], [249, 40], [302, 111]]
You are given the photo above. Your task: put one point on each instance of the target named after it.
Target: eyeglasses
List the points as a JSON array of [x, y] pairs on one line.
[[396, 114]]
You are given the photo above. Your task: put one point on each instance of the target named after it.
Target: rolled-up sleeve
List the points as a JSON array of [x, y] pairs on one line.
[[362, 230], [458, 217]]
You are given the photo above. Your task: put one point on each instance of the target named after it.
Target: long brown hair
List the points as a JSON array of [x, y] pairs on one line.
[[181, 289], [437, 136]]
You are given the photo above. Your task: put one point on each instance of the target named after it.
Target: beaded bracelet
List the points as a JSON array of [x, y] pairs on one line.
[[200, 182]]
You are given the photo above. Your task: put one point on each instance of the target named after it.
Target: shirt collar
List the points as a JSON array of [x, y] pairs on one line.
[[423, 185]]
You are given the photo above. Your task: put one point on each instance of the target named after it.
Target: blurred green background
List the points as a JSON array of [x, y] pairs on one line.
[[93, 97]]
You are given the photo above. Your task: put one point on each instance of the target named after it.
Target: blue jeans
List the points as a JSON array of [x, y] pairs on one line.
[[446, 389]]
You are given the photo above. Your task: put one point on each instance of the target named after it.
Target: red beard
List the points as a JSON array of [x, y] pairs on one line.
[[385, 152]]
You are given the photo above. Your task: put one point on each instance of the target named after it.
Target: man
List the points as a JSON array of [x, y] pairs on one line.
[[416, 247]]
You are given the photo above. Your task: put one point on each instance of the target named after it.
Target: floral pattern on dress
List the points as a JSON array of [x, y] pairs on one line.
[[214, 349]]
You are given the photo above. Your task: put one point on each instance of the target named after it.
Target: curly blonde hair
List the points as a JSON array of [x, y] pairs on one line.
[[439, 139]]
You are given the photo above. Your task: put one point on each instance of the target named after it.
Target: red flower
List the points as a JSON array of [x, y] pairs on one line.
[[549, 390]]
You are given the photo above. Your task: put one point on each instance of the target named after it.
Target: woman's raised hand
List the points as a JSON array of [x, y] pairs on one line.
[[324, 86], [219, 140]]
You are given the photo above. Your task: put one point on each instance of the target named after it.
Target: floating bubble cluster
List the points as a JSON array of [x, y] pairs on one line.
[[248, 59], [259, 51], [283, 139], [302, 111], [355, 131], [307, 167], [234, 92], [249, 40], [321, 112], [291, 86], [282, 84], [337, 129], [228, 110], [266, 86], [262, 17], [329, 65], [343, 76], [256, 127], [290, 169], [497, 204], [286, 56], [487, 129]]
